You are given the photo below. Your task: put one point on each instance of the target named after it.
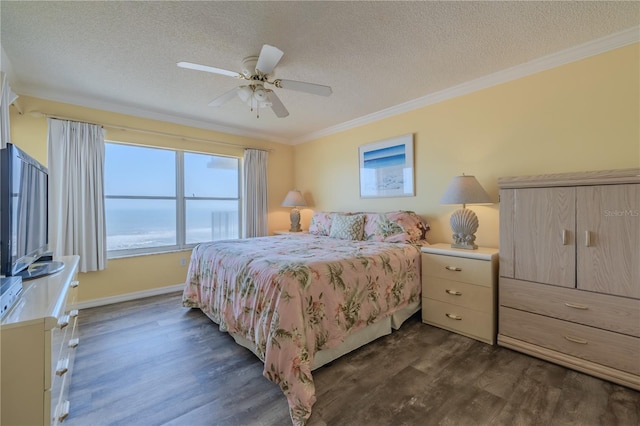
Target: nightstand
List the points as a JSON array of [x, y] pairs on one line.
[[289, 233], [459, 290]]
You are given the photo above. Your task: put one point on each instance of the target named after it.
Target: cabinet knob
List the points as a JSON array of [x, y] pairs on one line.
[[74, 284], [453, 317], [453, 268], [453, 292]]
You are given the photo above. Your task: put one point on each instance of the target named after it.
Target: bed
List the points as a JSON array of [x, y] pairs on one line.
[[300, 301]]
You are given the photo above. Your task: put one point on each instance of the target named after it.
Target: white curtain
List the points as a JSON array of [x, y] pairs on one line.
[[6, 99], [255, 191], [76, 192]]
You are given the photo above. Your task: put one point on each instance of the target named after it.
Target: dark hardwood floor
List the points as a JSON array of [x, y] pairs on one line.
[[153, 362]]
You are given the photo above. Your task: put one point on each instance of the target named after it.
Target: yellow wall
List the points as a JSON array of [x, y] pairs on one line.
[[581, 116], [577, 117], [144, 273]]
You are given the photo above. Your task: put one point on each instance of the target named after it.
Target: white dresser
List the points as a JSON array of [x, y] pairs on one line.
[[39, 337], [570, 270], [459, 290]]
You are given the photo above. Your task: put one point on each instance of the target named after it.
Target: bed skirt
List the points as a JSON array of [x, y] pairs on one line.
[[353, 341]]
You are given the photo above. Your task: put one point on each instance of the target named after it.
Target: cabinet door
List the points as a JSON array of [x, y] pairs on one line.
[[544, 239], [608, 240], [507, 212]]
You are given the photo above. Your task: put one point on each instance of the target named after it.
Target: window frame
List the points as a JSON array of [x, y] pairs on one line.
[[180, 204]]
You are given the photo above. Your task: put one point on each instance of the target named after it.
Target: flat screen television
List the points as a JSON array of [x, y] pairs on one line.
[[23, 213]]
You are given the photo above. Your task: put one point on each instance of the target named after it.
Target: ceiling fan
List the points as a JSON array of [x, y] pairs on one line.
[[257, 70]]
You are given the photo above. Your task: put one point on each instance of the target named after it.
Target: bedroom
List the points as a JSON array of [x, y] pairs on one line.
[[576, 116]]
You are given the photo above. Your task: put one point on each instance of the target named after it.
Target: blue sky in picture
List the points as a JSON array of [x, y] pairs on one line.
[[385, 157]]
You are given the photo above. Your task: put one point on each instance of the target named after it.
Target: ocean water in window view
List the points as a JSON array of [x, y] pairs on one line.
[[134, 224], [135, 172]]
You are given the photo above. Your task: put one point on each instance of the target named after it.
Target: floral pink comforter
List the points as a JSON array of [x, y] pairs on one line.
[[293, 295]]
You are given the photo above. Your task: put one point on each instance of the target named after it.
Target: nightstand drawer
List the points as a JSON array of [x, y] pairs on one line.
[[475, 324], [460, 269], [457, 293]]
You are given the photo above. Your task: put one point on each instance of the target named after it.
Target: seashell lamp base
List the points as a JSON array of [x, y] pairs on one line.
[[295, 220], [464, 224]]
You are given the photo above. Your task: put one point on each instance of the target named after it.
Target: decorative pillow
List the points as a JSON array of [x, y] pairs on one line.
[[378, 227], [321, 223], [395, 227], [349, 227], [415, 228]]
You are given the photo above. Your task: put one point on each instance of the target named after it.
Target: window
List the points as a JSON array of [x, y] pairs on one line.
[[160, 200]]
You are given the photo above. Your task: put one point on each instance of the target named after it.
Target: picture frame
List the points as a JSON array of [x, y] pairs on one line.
[[386, 168]]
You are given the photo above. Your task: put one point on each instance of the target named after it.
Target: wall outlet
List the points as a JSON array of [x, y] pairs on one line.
[[183, 261]]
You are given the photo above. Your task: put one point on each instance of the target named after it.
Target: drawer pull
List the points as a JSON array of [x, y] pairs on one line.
[[564, 237], [73, 343], [62, 367], [576, 306], [587, 239], [63, 321], [62, 411], [74, 284], [576, 340], [454, 317], [453, 268], [453, 292]]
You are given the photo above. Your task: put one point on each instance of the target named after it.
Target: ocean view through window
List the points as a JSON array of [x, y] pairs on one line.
[[158, 200]]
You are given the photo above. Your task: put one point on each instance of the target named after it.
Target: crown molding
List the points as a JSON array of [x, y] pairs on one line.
[[572, 54], [145, 113], [563, 57]]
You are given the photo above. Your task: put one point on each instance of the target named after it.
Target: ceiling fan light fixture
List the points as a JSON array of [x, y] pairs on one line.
[[260, 94], [258, 70], [254, 96], [245, 93]]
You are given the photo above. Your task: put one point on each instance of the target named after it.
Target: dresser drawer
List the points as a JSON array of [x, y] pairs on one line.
[[457, 293], [614, 313], [600, 346], [472, 271], [469, 322]]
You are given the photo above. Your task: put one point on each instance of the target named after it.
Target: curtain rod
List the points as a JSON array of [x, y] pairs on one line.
[[150, 132]]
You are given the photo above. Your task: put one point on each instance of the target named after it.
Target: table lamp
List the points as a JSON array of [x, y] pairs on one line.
[[294, 199], [464, 222]]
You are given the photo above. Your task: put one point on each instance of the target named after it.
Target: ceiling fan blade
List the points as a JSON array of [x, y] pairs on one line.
[[222, 99], [277, 106], [300, 86], [206, 68], [268, 59]]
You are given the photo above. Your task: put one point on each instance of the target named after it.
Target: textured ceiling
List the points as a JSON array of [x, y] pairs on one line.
[[121, 56]]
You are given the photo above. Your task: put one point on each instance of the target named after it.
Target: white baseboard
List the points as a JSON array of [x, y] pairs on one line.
[[129, 296]]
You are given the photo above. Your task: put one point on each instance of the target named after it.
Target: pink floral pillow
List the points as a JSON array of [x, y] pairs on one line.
[[395, 227], [321, 223]]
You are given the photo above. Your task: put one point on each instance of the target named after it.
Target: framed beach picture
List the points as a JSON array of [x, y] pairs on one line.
[[386, 168]]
